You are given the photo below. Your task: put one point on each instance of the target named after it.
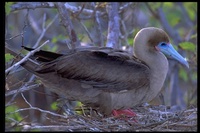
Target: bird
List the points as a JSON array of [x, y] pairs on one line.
[[110, 80]]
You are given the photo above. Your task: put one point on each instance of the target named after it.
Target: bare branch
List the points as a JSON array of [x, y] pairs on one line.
[[26, 57], [31, 5], [186, 16], [54, 127], [23, 89], [44, 29], [72, 9], [173, 33], [38, 109], [65, 20], [98, 26], [87, 12], [14, 36], [124, 33], [152, 11], [88, 33], [113, 25]]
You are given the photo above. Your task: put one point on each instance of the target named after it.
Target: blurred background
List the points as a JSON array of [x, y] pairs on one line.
[[32, 23]]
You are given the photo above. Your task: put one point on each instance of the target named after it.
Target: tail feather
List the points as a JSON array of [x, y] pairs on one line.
[[28, 64], [44, 56]]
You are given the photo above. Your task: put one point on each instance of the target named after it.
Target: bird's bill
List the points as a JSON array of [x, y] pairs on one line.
[[171, 52]]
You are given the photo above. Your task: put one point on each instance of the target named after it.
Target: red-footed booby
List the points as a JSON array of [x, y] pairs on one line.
[[106, 78]]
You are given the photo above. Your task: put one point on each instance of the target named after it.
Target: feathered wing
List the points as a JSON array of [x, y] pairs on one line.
[[105, 69]]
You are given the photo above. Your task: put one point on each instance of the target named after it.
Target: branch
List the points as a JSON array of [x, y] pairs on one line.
[[151, 10], [66, 21], [185, 14], [44, 29], [88, 33], [113, 25], [73, 9], [98, 26], [54, 127], [173, 33], [35, 108], [31, 5], [86, 12], [124, 34], [26, 57], [23, 89]]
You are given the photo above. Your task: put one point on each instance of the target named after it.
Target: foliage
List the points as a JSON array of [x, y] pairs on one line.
[[9, 111], [188, 46], [8, 57], [7, 7], [54, 106]]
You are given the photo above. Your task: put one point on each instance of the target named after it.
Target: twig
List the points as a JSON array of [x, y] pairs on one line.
[[87, 12], [113, 25], [67, 24], [173, 33], [14, 36], [31, 5], [88, 33], [124, 32], [79, 12], [23, 89], [44, 29], [151, 10], [98, 26], [185, 14], [125, 6], [26, 57], [55, 127]]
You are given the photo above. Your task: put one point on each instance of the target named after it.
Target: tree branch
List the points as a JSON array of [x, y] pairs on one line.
[[23, 89], [31, 5], [113, 25], [26, 57], [44, 29], [65, 20], [173, 33]]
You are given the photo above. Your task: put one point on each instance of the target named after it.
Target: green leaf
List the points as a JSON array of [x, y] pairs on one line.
[[54, 106], [191, 8], [56, 38], [193, 36], [8, 57], [183, 74], [194, 76], [9, 113], [7, 7], [187, 46]]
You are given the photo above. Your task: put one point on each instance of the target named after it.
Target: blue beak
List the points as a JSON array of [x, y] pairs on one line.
[[169, 50]]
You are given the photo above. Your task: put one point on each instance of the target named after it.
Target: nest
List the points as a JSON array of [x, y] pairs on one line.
[[148, 118]]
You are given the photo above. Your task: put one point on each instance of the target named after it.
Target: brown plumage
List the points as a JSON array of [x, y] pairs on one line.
[[106, 78]]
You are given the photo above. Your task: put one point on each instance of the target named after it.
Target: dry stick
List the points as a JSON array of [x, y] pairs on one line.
[[56, 128], [113, 25], [66, 21], [87, 32], [23, 89], [35, 108], [74, 9], [26, 57], [31, 5], [44, 29], [98, 25]]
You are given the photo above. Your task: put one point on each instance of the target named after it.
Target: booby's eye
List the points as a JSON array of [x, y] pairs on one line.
[[162, 44]]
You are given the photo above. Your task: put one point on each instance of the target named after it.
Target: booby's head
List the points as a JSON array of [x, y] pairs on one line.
[[153, 40]]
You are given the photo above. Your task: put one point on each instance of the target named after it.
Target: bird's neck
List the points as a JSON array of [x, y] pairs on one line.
[[158, 65]]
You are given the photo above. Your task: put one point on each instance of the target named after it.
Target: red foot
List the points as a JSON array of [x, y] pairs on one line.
[[126, 112]]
